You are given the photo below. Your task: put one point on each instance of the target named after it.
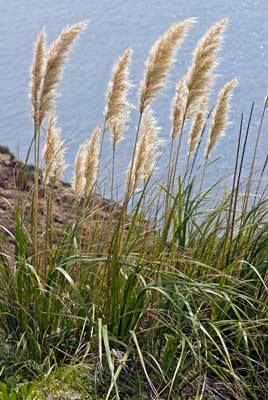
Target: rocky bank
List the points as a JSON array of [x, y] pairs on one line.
[[16, 185]]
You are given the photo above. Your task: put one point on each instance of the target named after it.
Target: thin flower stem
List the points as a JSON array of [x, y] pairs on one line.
[[233, 185], [260, 180], [167, 194], [239, 179], [101, 149], [203, 176], [173, 173], [249, 182], [35, 194], [127, 194], [186, 168], [170, 158], [113, 171]]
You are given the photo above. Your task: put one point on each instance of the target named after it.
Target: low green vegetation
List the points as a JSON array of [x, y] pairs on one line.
[[162, 294]]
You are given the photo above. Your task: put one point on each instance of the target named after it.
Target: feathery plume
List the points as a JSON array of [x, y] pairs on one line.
[[56, 57], [137, 170], [53, 151], [147, 151], [219, 121], [196, 131], [92, 160], [117, 106], [179, 107], [37, 73], [79, 179], [159, 61], [118, 128], [200, 75], [152, 142]]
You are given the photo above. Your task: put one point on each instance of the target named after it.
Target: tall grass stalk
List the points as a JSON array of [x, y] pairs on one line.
[[249, 182]]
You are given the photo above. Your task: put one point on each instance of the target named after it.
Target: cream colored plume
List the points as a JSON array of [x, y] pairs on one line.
[[53, 151], [117, 106], [37, 73], [92, 160], [79, 179], [152, 142], [56, 57], [159, 61], [196, 131], [147, 151], [138, 166], [201, 74], [179, 107], [117, 131], [219, 120]]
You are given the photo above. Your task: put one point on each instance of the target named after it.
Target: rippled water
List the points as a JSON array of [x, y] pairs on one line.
[[115, 25]]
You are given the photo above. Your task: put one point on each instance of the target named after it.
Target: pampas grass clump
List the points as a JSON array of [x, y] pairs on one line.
[[160, 291]]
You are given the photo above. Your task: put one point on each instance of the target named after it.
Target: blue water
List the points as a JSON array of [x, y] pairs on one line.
[[113, 26]]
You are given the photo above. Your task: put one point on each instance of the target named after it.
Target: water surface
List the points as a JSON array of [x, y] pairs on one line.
[[113, 26]]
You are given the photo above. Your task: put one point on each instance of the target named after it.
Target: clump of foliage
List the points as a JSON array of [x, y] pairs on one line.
[[166, 297]]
